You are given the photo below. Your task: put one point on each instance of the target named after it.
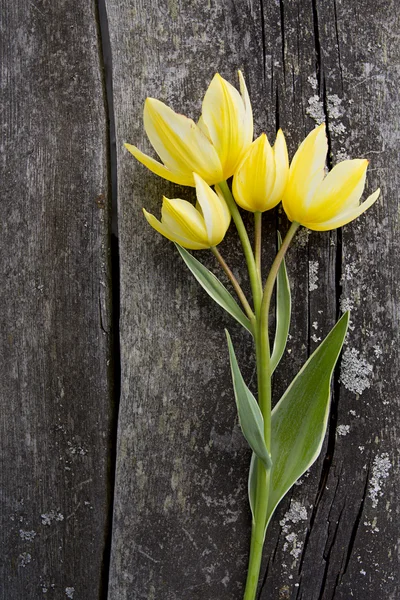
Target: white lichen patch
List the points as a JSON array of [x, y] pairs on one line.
[[24, 559], [313, 82], [345, 304], [46, 586], [76, 450], [28, 536], [315, 109], [305, 475], [338, 128], [53, 515], [350, 269], [315, 338], [295, 545], [378, 351], [343, 429], [69, 592], [335, 108], [313, 266], [302, 237], [355, 371], [225, 580], [315, 325], [380, 471], [372, 528], [342, 154], [294, 515]]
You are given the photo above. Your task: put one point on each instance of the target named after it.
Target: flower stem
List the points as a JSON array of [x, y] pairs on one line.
[[234, 281], [269, 285], [257, 532], [264, 399], [257, 242], [247, 249]]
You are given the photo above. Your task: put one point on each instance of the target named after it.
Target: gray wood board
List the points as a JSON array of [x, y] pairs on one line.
[[55, 296], [181, 521]]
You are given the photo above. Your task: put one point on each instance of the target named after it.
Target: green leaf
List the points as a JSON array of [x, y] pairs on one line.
[[252, 484], [250, 417], [214, 288], [283, 311], [299, 420]]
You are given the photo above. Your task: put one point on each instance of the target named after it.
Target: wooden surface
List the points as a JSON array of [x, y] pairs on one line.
[[180, 527], [55, 319]]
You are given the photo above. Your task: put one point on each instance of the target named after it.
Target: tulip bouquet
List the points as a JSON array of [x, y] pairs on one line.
[[287, 439]]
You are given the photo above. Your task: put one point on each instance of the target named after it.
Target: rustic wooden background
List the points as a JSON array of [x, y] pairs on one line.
[[123, 468]]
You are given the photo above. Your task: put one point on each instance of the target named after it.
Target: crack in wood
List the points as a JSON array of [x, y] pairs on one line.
[[327, 555], [282, 27], [317, 43], [263, 37], [355, 527], [338, 44], [104, 43]]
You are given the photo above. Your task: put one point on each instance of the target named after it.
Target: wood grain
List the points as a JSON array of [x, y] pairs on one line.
[[55, 374], [181, 518]]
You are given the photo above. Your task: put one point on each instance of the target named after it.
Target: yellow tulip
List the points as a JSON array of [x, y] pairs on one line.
[[261, 177], [322, 202], [196, 228], [212, 148]]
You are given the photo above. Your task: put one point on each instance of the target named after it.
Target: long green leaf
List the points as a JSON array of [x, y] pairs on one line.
[[250, 417], [214, 288], [283, 312], [299, 420]]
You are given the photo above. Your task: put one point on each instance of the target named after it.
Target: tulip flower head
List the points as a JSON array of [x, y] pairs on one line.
[[261, 177], [212, 148], [322, 202], [195, 228]]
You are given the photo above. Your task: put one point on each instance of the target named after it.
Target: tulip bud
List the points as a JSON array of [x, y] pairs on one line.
[[196, 228], [261, 177], [212, 148], [322, 202]]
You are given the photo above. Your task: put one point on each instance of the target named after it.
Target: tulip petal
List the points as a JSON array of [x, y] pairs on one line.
[[341, 189], [174, 237], [254, 179], [182, 218], [281, 167], [346, 216], [214, 210], [201, 125], [224, 114], [306, 174], [181, 145], [248, 125], [158, 168]]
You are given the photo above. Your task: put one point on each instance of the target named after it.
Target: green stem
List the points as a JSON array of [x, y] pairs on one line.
[[257, 532], [247, 249], [264, 389], [257, 242], [264, 399], [269, 285], [234, 281]]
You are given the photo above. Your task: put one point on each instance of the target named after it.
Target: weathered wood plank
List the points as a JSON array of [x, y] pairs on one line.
[[55, 299], [181, 518], [351, 548]]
